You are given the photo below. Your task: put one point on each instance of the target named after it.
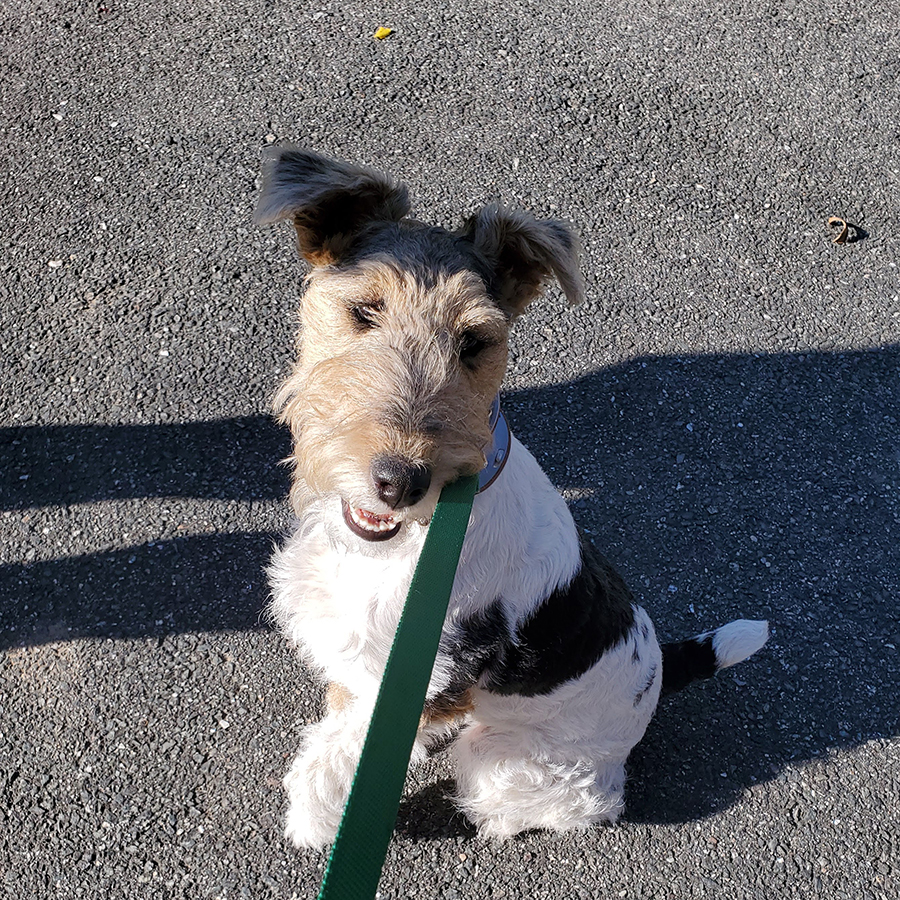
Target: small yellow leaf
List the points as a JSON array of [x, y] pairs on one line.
[[382, 33]]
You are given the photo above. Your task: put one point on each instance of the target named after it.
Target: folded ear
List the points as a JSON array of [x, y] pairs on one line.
[[330, 202], [524, 252]]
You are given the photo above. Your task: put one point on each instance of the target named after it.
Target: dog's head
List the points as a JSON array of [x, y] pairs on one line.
[[403, 342]]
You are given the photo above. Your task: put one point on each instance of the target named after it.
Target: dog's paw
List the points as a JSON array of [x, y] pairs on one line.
[[303, 833], [315, 803], [306, 830], [538, 800]]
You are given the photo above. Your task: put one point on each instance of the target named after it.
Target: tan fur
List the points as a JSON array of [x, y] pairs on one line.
[[400, 389], [439, 712], [444, 711], [396, 389], [337, 697]]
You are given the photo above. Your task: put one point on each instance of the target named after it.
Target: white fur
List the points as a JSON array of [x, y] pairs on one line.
[[550, 761], [339, 598], [734, 642], [558, 761]]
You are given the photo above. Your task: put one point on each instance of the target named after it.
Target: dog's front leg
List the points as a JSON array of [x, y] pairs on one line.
[[318, 782], [319, 779]]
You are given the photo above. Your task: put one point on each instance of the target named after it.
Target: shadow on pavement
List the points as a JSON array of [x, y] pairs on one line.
[[429, 814], [744, 487], [202, 583], [222, 459], [723, 486]]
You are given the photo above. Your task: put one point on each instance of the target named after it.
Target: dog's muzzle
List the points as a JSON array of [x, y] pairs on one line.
[[406, 487]]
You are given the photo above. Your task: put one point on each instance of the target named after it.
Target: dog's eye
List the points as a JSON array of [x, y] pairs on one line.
[[471, 345], [365, 314]]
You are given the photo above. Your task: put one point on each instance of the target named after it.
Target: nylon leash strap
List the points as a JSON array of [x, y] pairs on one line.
[[354, 866]]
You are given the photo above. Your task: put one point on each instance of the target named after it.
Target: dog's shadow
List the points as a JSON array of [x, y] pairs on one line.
[[757, 486], [429, 814]]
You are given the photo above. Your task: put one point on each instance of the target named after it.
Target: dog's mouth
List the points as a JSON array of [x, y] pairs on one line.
[[368, 525]]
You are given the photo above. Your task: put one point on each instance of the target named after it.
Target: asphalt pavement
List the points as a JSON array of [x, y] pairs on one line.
[[722, 412]]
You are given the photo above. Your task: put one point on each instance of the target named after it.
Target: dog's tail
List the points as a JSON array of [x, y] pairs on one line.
[[702, 656]]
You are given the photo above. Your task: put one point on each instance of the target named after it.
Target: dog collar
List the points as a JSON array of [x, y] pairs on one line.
[[497, 452]]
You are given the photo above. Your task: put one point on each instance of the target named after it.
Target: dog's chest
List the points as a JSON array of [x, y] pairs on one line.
[[340, 608]]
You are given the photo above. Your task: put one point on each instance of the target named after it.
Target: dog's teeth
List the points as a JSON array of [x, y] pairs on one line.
[[371, 521]]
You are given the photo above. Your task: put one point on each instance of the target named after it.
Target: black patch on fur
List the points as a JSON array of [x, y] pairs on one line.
[[330, 201], [471, 646], [636, 653], [687, 661], [561, 640], [567, 633], [649, 684]]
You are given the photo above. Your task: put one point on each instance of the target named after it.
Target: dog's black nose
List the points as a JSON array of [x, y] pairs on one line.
[[398, 482]]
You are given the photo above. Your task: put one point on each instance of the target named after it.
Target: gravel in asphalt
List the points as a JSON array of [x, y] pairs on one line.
[[722, 414]]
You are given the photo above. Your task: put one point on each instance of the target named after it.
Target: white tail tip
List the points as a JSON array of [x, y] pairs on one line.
[[734, 642]]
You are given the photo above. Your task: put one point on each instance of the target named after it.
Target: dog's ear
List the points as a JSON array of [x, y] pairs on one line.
[[329, 202], [523, 253]]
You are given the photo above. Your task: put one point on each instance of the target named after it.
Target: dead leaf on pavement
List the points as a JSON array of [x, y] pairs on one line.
[[837, 222]]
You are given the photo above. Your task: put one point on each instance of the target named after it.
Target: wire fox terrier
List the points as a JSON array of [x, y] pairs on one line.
[[547, 668]]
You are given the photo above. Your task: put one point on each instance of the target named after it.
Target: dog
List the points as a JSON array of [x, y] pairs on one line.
[[548, 672]]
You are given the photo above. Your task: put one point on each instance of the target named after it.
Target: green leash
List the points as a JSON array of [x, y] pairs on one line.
[[357, 856]]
